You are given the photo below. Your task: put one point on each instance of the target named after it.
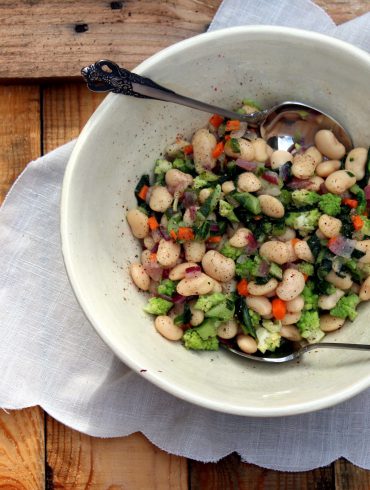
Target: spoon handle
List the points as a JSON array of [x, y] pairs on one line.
[[106, 76], [335, 345]]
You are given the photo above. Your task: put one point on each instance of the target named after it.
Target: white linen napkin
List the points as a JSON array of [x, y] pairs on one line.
[[51, 356]]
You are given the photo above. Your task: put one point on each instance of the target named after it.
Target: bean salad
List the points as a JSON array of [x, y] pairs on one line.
[[250, 246]]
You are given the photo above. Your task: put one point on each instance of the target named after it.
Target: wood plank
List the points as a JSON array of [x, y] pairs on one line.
[[77, 461], [343, 10], [231, 473], [350, 477], [22, 450], [56, 38]]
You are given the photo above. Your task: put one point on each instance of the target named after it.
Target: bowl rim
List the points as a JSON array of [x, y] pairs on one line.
[[181, 391]]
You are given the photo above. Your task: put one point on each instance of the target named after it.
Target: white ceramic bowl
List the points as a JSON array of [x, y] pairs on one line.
[[121, 141]]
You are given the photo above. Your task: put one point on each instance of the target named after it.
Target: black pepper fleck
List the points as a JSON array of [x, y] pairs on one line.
[[81, 28]]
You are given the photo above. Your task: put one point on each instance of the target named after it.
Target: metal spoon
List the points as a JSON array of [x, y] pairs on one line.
[[297, 353], [281, 126]]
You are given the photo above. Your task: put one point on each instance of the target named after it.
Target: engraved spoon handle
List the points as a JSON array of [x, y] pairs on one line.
[[106, 76]]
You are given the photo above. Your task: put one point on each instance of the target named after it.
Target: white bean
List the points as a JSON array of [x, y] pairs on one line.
[[139, 276], [248, 182], [324, 169], [288, 235], [290, 332], [262, 289], [303, 166], [228, 187], [227, 330], [168, 252], [315, 183], [329, 226], [274, 251], [204, 194], [330, 323], [315, 154], [246, 343], [218, 266], [173, 150], [201, 284], [179, 271], [229, 287], [292, 256], [338, 182], [291, 318], [240, 238], [339, 282], [217, 288], [164, 220], [259, 304], [203, 143], [303, 251], [197, 316], [279, 158], [328, 301], [270, 206], [188, 217], [291, 286], [328, 145], [138, 222], [365, 290], [356, 161], [165, 326], [178, 180], [261, 153], [364, 246], [295, 305], [149, 242], [160, 199], [246, 149], [194, 251]]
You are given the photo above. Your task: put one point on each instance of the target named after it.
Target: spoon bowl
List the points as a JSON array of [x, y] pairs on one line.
[[282, 126]]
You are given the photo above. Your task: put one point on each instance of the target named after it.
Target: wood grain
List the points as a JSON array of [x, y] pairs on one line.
[[343, 10], [39, 38], [22, 456], [19, 131], [77, 461], [231, 473], [350, 477]]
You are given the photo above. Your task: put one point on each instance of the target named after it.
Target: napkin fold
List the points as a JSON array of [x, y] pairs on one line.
[[51, 356]]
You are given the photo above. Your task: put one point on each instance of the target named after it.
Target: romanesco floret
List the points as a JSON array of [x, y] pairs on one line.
[[276, 271], [309, 327], [227, 211], [167, 287], [346, 307], [231, 252], [248, 267], [267, 340], [361, 198], [204, 179], [303, 197], [161, 167], [255, 318], [271, 326], [310, 298], [330, 204], [306, 268], [208, 301], [222, 311], [305, 221], [158, 306], [192, 340], [186, 165]]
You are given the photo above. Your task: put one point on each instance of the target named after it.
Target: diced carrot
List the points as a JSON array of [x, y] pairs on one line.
[[153, 257], [278, 308], [219, 149], [352, 203], [232, 125], [242, 287], [188, 149], [294, 241], [331, 241], [185, 233], [214, 239], [305, 276], [173, 234], [216, 120], [357, 221], [258, 217], [153, 223], [143, 192]]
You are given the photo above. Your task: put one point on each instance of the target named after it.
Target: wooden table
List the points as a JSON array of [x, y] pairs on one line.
[[43, 105]]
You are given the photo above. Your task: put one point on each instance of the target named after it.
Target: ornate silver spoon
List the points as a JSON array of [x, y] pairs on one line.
[[281, 126]]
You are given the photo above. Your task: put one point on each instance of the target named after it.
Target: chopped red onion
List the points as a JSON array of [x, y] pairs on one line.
[[289, 265], [164, 296], [342, 246], [164, 233], [239, 133], [323, 189], [252, 244], [367, 192], [154, 249], [156, 235], [154, 270], [271, 177], [214, 227], [299, 183], [166, 273], [263, 269], [178, 299], [190, 199], [192, 272], [246, 164], [285, 171]]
